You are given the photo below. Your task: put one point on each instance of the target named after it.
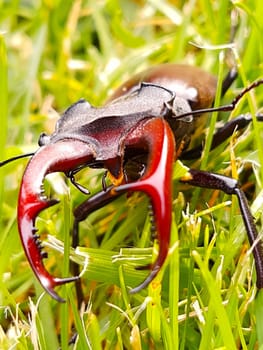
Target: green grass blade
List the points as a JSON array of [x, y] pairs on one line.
[[217, 304]]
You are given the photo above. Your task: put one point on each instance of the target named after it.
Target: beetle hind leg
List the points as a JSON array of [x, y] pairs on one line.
[[230, 186]]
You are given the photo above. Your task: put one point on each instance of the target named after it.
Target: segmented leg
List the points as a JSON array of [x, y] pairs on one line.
[[222, 134], [97, 201], [230, 186]]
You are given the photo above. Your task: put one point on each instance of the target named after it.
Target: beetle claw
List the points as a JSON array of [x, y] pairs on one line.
[[147, 281], [157, 183], [54, 282], [32, 200]]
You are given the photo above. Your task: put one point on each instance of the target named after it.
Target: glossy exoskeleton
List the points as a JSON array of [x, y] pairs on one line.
[[136, 136]]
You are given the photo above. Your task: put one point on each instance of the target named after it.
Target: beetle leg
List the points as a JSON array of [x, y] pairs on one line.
[[71, 176], [230, 186], [62, 156], [228, 80], [80, 213], [236, 124], [156, 182], [222, 134]]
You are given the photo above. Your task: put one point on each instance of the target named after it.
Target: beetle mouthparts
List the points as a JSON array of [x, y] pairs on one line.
[[61, 156], [157, 183]]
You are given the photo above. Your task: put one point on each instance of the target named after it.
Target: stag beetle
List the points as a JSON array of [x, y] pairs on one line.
[[148, 123]]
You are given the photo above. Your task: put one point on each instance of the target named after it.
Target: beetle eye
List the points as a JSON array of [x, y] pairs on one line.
[[181, 106], [43, 139]]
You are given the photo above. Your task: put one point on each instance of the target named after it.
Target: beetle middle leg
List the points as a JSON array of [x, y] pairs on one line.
[[222, 134], [230, 186]]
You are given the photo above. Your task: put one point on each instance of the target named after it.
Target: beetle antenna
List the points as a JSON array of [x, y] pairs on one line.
[[9, 160], [224, 108]]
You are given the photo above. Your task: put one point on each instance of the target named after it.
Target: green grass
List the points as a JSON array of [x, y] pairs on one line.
[[52, 54]]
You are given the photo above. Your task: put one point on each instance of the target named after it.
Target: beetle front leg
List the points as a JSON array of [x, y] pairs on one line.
[[93, 203], [230, 186], [81, 213]]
